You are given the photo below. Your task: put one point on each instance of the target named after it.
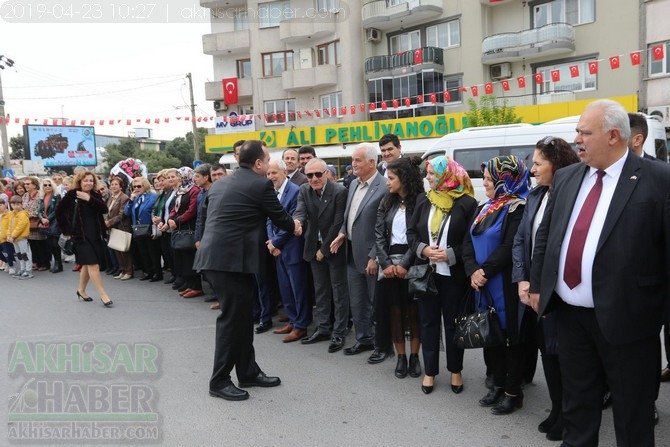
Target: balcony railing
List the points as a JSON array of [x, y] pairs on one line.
[[425, 55], [385, 15], [549, 39], [231, 42]]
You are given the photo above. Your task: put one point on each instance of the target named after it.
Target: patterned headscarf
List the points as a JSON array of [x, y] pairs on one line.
[[511, 182], [452, 182], [186, 175]]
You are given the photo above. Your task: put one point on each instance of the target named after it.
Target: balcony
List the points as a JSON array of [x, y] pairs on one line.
[[214, 90], [309, 78], [380, 14], [495, 2], [221, 44], [300, 29], [552, 39], [222, 3], [425, 58]]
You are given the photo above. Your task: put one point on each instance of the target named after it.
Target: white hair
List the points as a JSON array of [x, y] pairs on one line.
[[371, 151], [280, 164]]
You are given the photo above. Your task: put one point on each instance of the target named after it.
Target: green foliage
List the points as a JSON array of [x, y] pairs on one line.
[[489, 113], [17, 145]]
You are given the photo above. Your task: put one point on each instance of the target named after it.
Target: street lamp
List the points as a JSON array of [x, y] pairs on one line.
[[3, 126]]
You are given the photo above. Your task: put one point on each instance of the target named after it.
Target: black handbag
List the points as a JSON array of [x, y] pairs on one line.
[[51, 230], [141, 230], [478, 329], [66, 244], [420, 281], [183, 240]]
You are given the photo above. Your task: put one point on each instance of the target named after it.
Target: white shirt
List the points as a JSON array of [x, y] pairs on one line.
[[280, 191], [582, 294], [399, 228]]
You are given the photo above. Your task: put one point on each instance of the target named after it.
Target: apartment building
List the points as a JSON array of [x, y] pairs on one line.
[[417, 62]]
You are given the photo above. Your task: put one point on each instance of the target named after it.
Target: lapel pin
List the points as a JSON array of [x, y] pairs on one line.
[[633, 177]]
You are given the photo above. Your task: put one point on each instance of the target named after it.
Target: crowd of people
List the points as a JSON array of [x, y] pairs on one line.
[[335, 255]]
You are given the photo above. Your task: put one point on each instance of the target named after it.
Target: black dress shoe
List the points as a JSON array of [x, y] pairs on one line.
[[315, 338], [336, 344], [230, 392], [177, 283], [145, 277], [414, 365], [427, 389], [401, 367], [555, 433], [551, 420], [492, 397], [378, 356], [508, 404], [169, 280], [261, 380], [156, 278], [358, 348], [263, 327]]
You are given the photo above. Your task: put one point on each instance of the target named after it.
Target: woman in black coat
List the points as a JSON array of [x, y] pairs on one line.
[[80, 216]]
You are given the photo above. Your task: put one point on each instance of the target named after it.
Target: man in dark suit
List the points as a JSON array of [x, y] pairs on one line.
[[320, 209], [602, 261], [287, 250], [290, 159], [390, 147], [231, 251], [358, 231]]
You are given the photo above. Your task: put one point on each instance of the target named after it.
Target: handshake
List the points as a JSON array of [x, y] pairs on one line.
[[298, 228]]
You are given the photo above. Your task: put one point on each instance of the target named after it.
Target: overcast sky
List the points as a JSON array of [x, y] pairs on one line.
[[105, 71]]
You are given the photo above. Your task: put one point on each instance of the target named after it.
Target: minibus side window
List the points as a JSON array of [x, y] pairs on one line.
[[472, 159]]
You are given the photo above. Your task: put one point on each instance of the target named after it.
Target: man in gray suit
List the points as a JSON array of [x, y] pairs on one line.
[[231, 251], [358, 231], [320, 210], [290, 159]]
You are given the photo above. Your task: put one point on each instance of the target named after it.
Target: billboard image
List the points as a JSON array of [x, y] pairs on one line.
[[60, 145]]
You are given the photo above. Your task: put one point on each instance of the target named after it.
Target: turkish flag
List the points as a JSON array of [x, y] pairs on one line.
[[447, 96], [593, 67], [326, 111], [230, 90], [635, 58], [505, 85], [433, 98], [362, 107], [475, 90], [343, 110], [419, 99], [395, 104], [657, 52], [555, 75], [333, 111], [353, 110], [128, 122], [539, 79], [574, 71], [308, 113], [418, 56], [282, 116], [299, 114], [488, 88], [407, 102], [521, 81], [373, 106], [317, 113], [615, 62], [463, 89], [384, 106]]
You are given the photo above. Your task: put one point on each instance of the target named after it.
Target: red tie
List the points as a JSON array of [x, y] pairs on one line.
[[573, 260]]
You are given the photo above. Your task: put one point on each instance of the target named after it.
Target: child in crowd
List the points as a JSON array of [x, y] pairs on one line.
[[19, 229], [6, 248]]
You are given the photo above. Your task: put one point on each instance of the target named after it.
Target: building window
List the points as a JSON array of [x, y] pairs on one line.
[[444, 35], [244, 68], [329, 53], [241, 20], [328, 5], [279, 111], [574, 12], [582, 82], [660, 66], [274, 64], [330, 101], [271, 13], [405, 42], [452, 84]]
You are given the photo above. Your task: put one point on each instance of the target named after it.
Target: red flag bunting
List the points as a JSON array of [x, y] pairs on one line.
[[657, 52], [373, 106], [408, 102], [521, 81], [593, 67], [333, 111], [555, 75], [505, 85], [574, 71], [463, 89], [539, 79], [635, 58], [419, 99], [362, 107], [317, 113], [418, 56], [353, 110], [433, 98], [343, 110], [384, 106], [615, 62], [475, 90], [488, 88], [299, 114], [446, 95], [395, 103]]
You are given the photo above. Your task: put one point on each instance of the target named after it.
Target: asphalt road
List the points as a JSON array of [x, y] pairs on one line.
[[325, 399]]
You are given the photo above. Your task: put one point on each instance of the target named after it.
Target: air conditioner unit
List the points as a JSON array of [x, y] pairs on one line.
[[373, 35], [663, 112], [501, 71], [220, 106]]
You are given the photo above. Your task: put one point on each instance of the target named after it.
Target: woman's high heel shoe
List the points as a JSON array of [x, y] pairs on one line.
[[85, 298], [107, 303], [457, 389], [427, 389]]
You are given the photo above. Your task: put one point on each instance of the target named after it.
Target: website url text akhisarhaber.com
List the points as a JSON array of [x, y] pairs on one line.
[[81, 431]]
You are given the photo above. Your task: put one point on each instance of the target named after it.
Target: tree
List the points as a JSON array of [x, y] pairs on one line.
[[18, 145], [489, 113]]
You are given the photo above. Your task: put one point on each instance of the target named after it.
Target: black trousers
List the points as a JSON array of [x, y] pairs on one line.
[[588, 363], [234, 346]]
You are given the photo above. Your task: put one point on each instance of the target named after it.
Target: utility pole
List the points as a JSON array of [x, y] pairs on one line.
[[3, 125], [196, 149]]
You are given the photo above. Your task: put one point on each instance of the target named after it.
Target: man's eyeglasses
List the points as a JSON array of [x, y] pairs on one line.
[[315, 174]]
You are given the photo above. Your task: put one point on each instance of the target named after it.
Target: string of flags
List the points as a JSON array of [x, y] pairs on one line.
[[594, 66]]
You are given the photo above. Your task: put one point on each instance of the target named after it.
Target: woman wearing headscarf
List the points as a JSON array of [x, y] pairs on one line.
[[183, 213], [435, 234], [550, 155], [47, 215], [37, 240], [487, 254]]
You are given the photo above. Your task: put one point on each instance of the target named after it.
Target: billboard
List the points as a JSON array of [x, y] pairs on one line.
[[60, 145]]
